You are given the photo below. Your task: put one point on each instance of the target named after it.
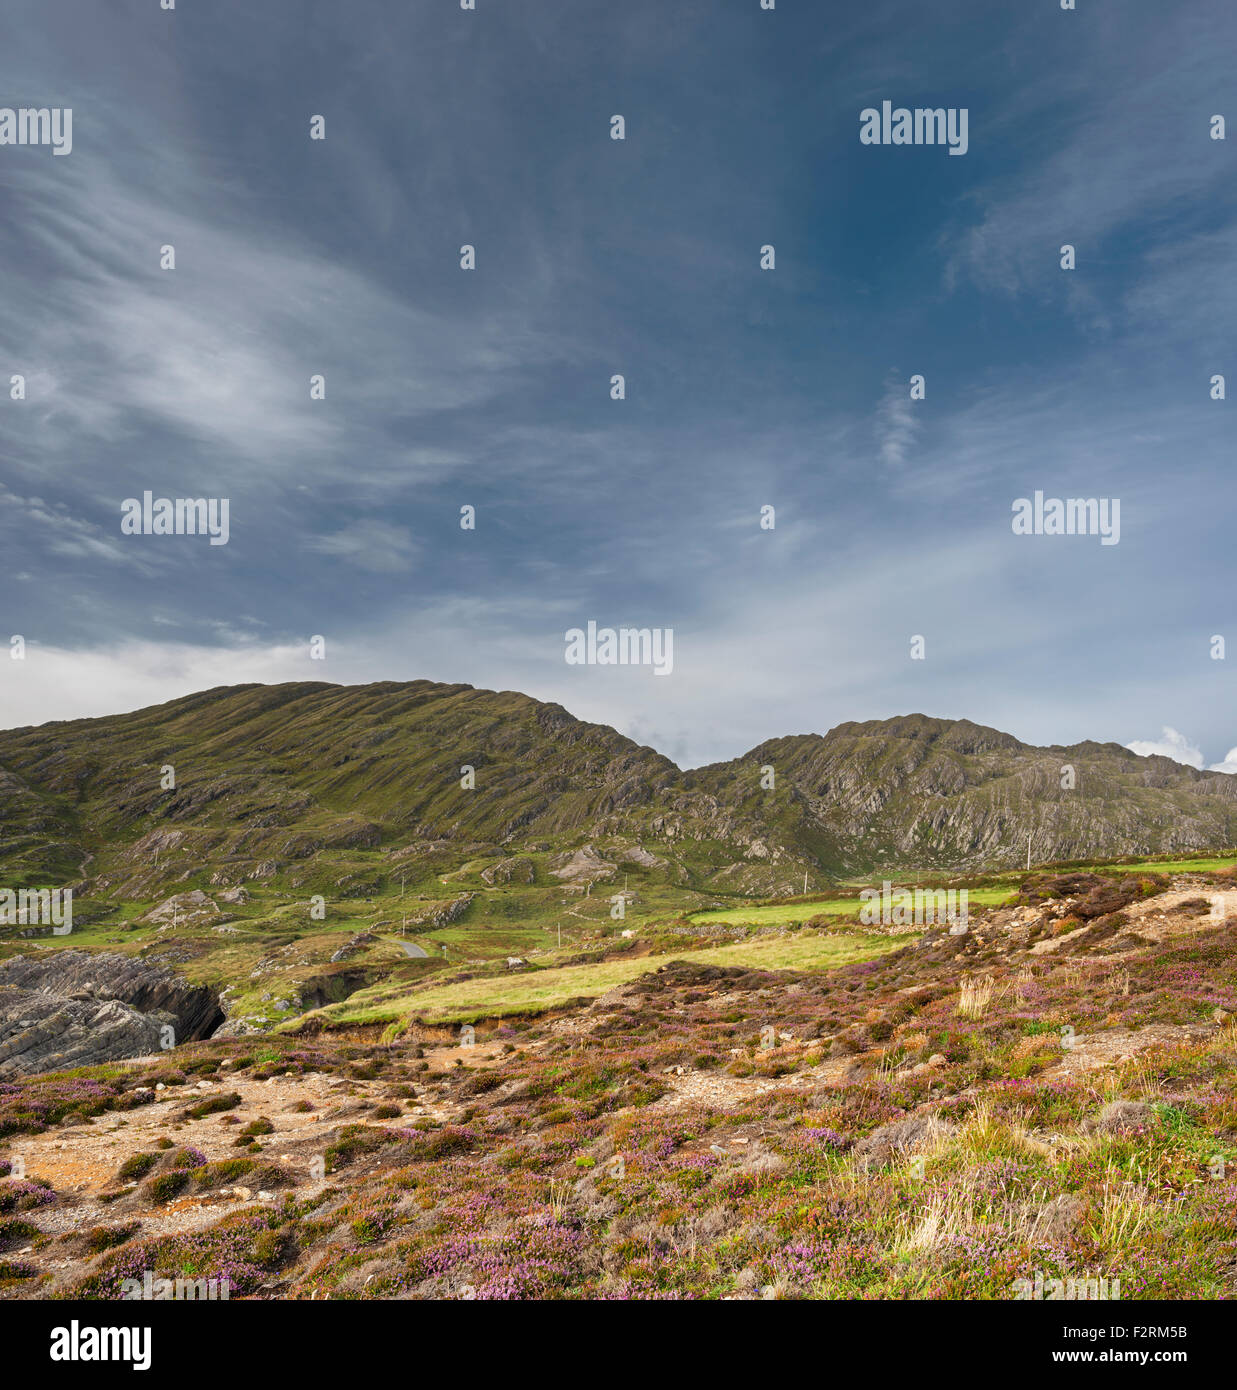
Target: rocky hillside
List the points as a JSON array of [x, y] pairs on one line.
[[267, 777], [924, 792]]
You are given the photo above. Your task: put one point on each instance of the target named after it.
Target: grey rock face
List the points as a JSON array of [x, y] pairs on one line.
[[63, 1009]]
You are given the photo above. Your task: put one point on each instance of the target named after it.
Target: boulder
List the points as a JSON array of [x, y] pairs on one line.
[[186, 908]]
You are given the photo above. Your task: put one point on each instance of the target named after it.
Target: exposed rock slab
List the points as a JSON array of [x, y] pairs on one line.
[[63, 1009]]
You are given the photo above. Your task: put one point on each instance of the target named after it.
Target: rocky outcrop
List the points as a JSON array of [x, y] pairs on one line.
[[515, 870], [637, 854], [63, 1009], [450, 912], [187, 909], [354, 946], [42, 1032], [584, 866]]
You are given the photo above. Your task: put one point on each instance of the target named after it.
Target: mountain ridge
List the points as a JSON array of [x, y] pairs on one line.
[[273, 774]]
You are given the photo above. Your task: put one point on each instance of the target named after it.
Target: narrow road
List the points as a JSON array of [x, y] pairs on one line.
[[410, 948]]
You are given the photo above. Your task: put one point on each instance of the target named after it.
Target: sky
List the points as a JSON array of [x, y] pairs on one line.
[[745, 388]]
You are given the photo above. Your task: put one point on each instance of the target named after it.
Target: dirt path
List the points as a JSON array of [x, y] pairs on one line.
[[82, 1161]]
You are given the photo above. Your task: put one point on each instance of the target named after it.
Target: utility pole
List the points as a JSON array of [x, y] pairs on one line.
[[1028, 852], [805, 883]]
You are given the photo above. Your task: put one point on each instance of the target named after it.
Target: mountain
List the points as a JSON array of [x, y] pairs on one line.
[[922, 792], [272, 781]]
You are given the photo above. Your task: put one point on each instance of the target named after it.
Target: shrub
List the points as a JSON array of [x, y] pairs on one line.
[[136, 1166], [226, 1170], [185, 1157], [213, 1105], [24, 1194], [168, 1185], [13, 1229], [100, 1238]]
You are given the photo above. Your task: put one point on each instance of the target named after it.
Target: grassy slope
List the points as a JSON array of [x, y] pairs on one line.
[[503, 995]]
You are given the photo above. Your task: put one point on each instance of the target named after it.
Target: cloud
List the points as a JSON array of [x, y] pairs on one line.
[[1172, 745], [214, 359], [370, 545], [1126, 166], [66, 536], [896, 424], [1228, 765]]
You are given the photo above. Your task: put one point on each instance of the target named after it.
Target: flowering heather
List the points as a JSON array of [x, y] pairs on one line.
[[827, 1138], [530, 1261], [885, 1147], [231, 1251], [23, 1195], [32, 1106], [185, 1157]]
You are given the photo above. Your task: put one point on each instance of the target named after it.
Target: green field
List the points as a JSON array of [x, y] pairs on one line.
[[784, 914], [536, 991], [1170, 866]]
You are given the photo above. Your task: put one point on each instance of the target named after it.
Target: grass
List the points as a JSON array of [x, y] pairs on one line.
[[1170, 866], [784, 914], [975, 997], [502, 995]]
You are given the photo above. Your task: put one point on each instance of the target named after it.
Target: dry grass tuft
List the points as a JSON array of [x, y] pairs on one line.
[[976, 995]]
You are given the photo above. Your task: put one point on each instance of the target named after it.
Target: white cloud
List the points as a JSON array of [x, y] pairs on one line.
[[1172, 745], [1176, 746], [218, 354], [1228, 765]]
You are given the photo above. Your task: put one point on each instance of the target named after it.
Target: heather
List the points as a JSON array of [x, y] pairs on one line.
[[1046, 1093]]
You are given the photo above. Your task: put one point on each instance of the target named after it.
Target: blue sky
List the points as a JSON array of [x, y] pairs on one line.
[[744, 387]]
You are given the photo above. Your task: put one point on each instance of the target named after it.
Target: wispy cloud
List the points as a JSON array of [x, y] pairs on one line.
[[370, 545], [64, 535], [896, 425]]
